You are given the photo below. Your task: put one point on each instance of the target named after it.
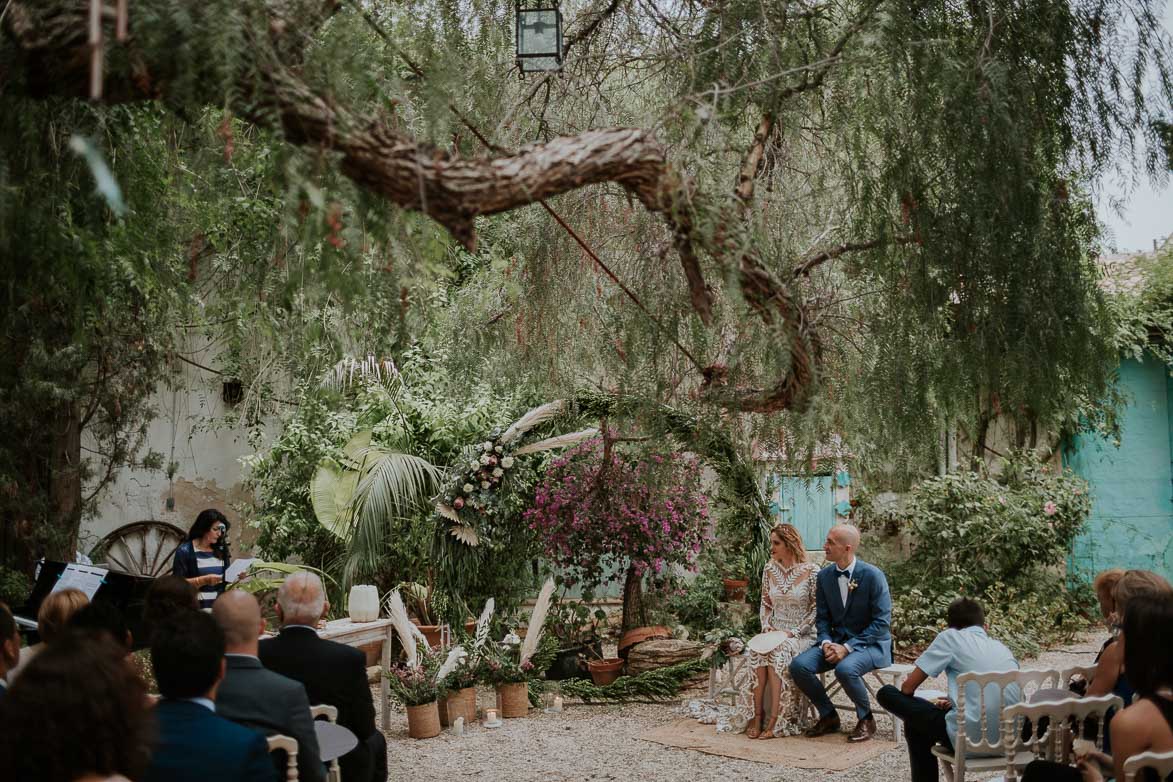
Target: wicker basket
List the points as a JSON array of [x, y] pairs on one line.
[[513, 699], [423, 722], [462, 703]]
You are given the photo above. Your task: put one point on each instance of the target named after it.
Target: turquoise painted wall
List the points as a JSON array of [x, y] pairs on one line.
[[1131, 523]]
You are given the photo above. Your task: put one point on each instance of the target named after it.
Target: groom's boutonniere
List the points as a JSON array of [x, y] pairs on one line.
[[851, 585]]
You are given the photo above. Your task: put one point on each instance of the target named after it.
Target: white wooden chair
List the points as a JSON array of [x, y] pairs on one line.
[[333, 770], [993, 754], [288, 745], [1161, 762], [1053, 743]]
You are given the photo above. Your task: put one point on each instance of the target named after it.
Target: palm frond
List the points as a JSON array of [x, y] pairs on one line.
[[561, 441], [453, 660], [343, 374], [447, 511], [482, 632], [531, 419], [403, 626], [394, 485], [465, 534], [537, 622]]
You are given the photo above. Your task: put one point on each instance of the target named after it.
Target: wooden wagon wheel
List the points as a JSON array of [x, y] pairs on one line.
[[144, 548]]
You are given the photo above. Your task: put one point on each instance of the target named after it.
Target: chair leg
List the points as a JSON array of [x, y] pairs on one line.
[[947, 771]]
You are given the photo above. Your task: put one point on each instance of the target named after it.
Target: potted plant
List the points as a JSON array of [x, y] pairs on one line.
[[422, 602], [732, 566], [605, 670], [413, 684], [509, 665], [576, 628], [459, 686]]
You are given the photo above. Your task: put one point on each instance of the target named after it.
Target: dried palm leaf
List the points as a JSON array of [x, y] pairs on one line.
[[453, 660], [531, 419], [481, 636], [407, 631], [447, 511], [561, 441], [537, 621], [465, 534]]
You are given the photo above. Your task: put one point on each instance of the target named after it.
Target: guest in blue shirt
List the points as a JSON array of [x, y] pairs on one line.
[[963, 648], [203, 558], [193, 743]]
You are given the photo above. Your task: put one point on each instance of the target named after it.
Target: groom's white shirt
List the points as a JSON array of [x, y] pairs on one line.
[[843, 591]]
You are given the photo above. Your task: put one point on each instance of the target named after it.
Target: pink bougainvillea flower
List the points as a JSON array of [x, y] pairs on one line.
[[1050, 508]]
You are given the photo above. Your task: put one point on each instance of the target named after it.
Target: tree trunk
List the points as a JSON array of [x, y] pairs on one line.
[[634, 613], [64, 512]]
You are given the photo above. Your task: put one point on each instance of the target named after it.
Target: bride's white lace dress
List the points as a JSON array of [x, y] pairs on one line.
[[788, 604]]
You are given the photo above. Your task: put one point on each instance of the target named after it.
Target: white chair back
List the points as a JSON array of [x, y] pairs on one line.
[[1161, 762], [288, 745], [333, 770], [1052, 744], [1006, 685]]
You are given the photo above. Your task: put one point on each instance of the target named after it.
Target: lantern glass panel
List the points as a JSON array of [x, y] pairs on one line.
[[537, 32]]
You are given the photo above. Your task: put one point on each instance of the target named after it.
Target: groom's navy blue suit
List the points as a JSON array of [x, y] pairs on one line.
[[862, 625]]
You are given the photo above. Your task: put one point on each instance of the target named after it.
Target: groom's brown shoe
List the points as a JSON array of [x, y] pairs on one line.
[[864, 729], [825, 725]]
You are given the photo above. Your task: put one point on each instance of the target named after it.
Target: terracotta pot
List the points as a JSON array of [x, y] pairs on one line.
[[513, 699], [470, 627], [735, 589], [605, 671], [432, 633], [639, 635], [462, 703], [423, 722]]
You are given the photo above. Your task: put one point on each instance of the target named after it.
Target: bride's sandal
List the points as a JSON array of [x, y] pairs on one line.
[[754, 729], [768, 728]]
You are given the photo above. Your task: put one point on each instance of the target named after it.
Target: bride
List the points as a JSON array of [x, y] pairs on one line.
[[788, 629]]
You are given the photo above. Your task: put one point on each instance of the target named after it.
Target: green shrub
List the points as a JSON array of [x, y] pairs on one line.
[[1002, 540], [14, 587]]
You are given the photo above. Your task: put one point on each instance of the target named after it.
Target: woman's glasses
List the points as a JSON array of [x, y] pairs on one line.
[[218, 528]]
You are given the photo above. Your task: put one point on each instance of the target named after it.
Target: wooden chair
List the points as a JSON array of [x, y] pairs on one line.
[[995, 753], [288, 745], [333, 771], [1161, 762], [1053, 742], [894, 674]]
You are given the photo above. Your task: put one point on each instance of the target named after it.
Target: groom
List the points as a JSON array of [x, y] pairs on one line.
[[853, 612]]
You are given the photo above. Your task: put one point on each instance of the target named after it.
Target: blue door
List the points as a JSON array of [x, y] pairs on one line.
[[808, 503], [1131, 523]]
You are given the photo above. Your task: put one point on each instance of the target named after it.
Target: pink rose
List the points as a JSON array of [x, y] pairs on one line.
[[1050, 508]]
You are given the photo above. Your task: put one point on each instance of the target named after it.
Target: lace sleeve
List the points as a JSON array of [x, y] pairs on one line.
[[767, 610], [812, 592]]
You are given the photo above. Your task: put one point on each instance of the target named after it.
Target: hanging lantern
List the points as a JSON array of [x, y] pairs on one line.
[[539, 39]]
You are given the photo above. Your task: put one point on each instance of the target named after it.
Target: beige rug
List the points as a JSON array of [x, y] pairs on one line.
[[831, 753]]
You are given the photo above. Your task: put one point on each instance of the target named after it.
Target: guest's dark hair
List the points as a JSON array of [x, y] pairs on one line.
[[77, 708], [186, 653], [204, 522], [965, 612], [100, 617], [7, 623], [1148, 624], [168, 597]]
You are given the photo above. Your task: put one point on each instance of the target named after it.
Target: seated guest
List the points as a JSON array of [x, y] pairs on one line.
[[101, 618], [193, 743], [332, 673], [257, 698], [76, 714], [1109, 675], [9, 647], [55, 611], [168, 596], [962, 648]]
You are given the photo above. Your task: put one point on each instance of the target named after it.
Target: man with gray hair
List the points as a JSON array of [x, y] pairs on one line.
[[257, 698], [332, 673]]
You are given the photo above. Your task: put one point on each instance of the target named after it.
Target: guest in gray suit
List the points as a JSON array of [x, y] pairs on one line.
[[256, 697]]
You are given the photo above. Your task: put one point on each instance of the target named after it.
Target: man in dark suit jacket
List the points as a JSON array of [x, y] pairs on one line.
[[853, 614], [332, 673], [193, 744], [257, 698]]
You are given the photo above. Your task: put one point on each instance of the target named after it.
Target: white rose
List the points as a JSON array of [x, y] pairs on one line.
[[484, 484], [467, 488], [474, 464], [511, 640], [485, 459], [498, 472], [486, 446], [507, 462], [499, 449]]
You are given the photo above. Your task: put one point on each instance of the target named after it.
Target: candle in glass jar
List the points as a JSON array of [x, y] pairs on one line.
[[490, 716], [557, 703]]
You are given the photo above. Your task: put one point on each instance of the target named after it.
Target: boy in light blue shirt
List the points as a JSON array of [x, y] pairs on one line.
[[963, 648]]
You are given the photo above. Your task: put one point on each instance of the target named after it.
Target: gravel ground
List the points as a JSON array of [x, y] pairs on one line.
[[599, 742]]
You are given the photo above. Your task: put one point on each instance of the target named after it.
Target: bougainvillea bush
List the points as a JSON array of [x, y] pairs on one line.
[[602, 510]]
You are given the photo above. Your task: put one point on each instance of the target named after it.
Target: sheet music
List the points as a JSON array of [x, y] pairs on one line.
[[236, 569], [84, 577]]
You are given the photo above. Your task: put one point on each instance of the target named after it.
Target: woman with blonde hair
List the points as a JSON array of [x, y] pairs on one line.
[[54, 614], [788, 629]]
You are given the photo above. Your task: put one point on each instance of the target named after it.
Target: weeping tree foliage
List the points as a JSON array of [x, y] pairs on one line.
[[865, 216]]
